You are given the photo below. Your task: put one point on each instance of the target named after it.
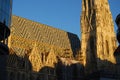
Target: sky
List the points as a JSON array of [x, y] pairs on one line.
[[61, 14]]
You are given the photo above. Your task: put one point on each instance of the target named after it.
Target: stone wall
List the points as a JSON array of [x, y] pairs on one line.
[[98, 40], [35, 50]]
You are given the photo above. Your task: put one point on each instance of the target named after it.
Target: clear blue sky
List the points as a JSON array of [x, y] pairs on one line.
[[62, 14]]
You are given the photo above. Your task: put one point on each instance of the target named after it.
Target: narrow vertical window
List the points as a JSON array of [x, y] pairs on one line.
[[107, 47]]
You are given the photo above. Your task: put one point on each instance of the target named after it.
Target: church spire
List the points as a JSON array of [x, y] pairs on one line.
[[97, 33]]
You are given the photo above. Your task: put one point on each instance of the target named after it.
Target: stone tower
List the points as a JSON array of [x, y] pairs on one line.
[[98, 40]]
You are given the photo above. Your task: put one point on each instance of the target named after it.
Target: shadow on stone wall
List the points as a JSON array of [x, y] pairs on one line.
[[60, 71], [18, 68], [4, 51], [105, 69], [14, 67], [74, 43], [3, 72], [73, 71], [91, 36]]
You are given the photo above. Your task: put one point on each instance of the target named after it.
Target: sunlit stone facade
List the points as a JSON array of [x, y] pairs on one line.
[[37, 52], [98, 39]]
